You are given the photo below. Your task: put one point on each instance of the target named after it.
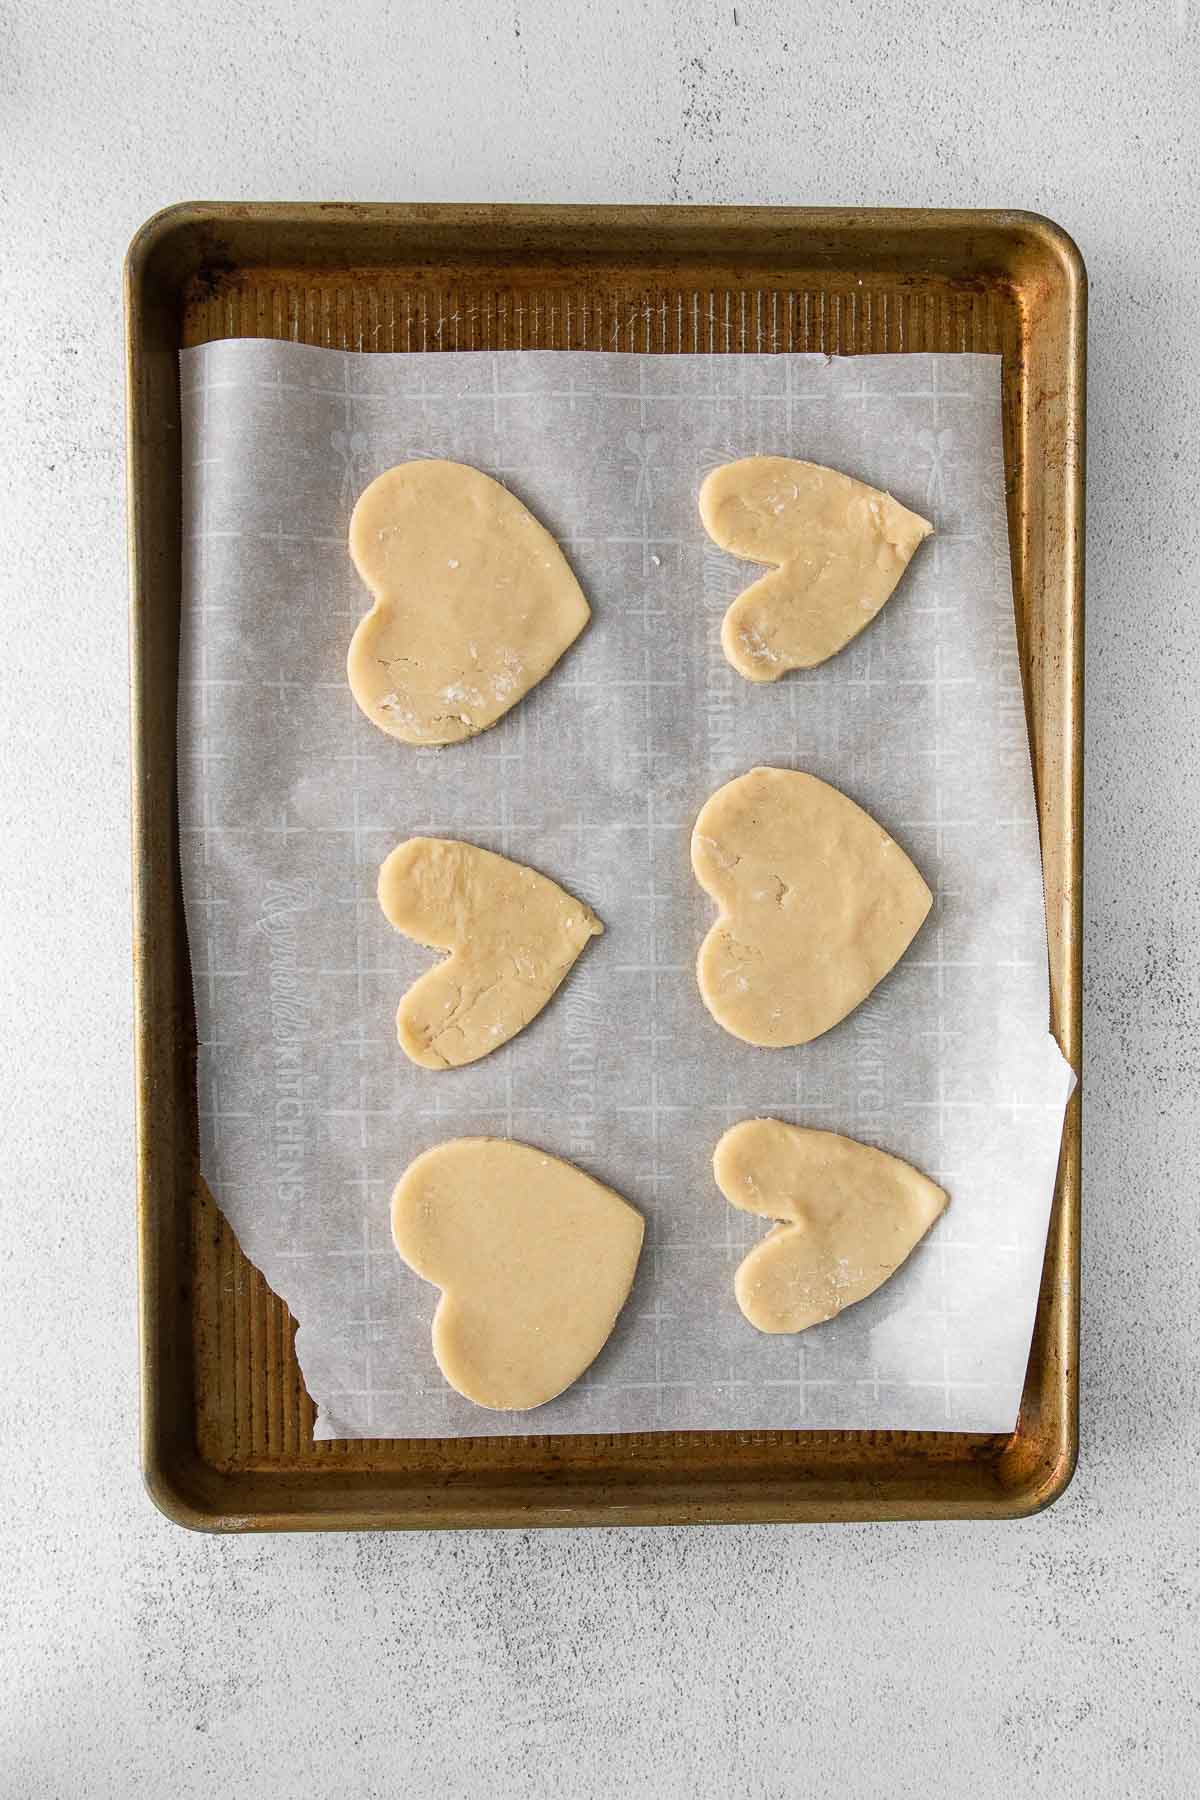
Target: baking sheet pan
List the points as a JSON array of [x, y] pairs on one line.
[[227, 1425]]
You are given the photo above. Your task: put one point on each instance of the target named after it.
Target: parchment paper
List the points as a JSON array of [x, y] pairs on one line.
[[290, 799]]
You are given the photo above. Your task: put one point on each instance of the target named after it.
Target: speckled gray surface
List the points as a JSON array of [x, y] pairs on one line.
[[1055, 1656]]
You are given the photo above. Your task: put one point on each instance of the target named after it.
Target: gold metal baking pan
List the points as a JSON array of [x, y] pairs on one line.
[[226, 1423]]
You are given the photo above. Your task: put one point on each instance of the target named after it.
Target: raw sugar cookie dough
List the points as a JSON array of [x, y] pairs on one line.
[[474, 602], [850, 1216], [840, 546], [817, 904], [513, 936], [534, 1258]]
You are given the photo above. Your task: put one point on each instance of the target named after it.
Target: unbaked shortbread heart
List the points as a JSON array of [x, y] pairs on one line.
[[513, 935], [474, 602], [851, 1215], [841, 547], [534, 1259], [817, 904]]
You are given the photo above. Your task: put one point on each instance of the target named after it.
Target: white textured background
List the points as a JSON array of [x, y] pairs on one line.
[[1056, 1656]]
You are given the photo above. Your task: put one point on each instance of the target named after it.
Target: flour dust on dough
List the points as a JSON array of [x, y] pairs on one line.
[[474, 602], [534, 1258], [849, 1214], [512, 936], [840, 546], [817, 903]]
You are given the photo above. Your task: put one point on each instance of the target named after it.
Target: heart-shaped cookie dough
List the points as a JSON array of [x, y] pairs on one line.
[[474, 602], [852, 1214], [513, 935], [817, 904], [534, 1259], [841, 547]]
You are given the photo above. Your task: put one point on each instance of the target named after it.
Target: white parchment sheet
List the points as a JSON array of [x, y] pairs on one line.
[[290, 800]]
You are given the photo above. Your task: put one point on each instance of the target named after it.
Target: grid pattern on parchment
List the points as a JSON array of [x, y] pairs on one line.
[[290, 800]]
